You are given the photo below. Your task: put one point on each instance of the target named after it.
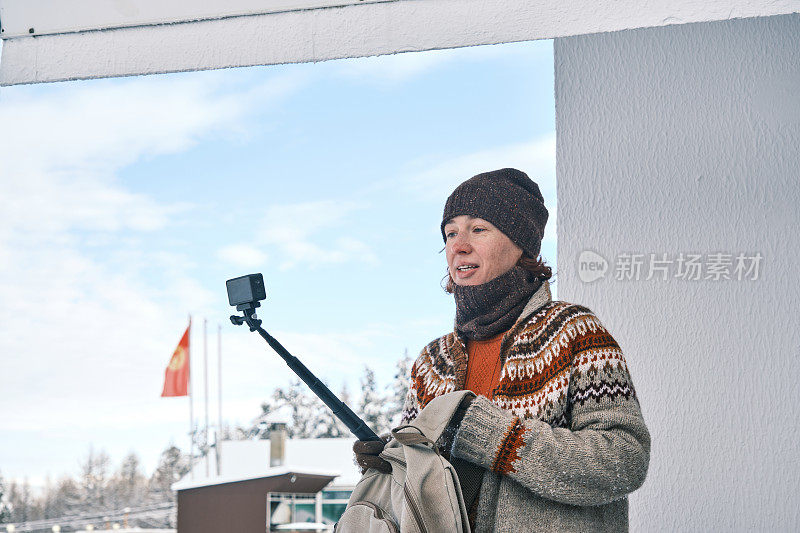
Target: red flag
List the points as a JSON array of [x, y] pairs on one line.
[[176, 377]]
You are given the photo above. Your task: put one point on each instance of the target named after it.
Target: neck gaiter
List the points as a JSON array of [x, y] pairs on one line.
[[483, 311]]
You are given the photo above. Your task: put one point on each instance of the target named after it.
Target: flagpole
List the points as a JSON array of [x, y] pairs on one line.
[[205, 376], [219, 389], [191, 406]]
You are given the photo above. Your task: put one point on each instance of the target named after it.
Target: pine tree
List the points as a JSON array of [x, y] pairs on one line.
[[46, 500], [344, 395], [36, 509], [128, 484], [19, 501], [172, 466], [372, 407], [328, 425], [94, 480], [293, 397], [202, 446], [67, 497], [235, 432], [5, 510], [307, 412], [398, 389], [13, 501], [311, 418]]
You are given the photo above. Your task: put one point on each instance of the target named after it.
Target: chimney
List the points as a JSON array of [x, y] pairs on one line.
[[277, 444]]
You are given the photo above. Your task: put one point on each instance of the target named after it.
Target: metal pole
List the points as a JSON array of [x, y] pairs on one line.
[[219, 389], [205, 376], [191, 404]]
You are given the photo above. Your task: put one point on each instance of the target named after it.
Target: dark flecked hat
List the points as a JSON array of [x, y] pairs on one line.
[[508, 199]]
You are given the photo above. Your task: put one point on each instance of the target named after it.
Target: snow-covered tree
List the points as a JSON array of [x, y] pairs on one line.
[[306, 415], [127, 487], [67, 497], [12, 498], [202, 446], [19, 501], [5, 510], [172, 466], [46, 501], [372, 406], [94, 480], [344, 395], [398, 389], [304, 412], [233, 432], [328, 425]]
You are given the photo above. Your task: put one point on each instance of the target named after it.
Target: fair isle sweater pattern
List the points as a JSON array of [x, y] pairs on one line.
[[557, 358]]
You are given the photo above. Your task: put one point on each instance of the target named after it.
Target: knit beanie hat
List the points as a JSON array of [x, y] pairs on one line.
[[508, 199]]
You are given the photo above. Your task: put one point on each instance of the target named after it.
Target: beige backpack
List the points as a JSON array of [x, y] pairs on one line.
[[423, 493]]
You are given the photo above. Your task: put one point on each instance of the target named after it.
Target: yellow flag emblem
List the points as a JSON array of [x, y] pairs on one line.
[[178, 358]]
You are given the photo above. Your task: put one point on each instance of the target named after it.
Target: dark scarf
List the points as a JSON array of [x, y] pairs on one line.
[[483, 311]]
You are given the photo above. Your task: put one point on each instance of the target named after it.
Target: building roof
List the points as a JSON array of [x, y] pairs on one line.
[[249, 459], [318, 479]]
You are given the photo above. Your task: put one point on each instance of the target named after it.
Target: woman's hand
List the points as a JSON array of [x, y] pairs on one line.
[[367, 454]]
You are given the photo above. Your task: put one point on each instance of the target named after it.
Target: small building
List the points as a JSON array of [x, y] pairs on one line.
[[278, 484]]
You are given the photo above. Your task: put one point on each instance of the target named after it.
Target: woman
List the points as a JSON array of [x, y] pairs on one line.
[[556, 426]]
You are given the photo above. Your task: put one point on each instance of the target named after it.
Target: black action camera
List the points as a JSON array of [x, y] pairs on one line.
[[246, 291]]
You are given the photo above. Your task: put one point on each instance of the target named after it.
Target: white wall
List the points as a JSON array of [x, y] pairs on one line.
[[686, 139]]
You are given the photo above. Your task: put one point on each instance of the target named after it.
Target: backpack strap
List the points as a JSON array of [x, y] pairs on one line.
[[470, 476]]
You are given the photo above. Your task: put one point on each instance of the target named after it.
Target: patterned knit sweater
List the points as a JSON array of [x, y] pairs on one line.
[[563, 440]]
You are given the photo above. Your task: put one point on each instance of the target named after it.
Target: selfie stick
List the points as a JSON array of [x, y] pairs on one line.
[[357, 426]]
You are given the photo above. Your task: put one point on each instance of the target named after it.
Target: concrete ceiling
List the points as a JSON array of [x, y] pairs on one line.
[[54, 40]]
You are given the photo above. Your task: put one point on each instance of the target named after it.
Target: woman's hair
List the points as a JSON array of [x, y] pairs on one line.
[[536, 266]]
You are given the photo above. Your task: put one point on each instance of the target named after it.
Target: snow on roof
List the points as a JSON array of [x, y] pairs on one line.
[[249, 459], [327, 454], [188, 483], [302, 526], [131, 530], [281, 415]]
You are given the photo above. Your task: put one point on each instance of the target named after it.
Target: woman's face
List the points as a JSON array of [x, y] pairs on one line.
[[477, 251]]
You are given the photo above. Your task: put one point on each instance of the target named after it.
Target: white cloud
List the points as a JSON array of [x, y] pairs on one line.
[[297, 229], [242, 255], [47, 206], [84, 336], [59, 152], [537, 158], [99, 126]]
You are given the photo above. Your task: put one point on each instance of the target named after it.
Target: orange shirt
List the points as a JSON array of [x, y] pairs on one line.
[[483, 365]]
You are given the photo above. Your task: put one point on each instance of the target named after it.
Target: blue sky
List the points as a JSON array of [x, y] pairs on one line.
[[127, 203]]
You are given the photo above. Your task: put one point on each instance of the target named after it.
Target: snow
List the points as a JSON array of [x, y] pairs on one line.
[[302, 526], [130, 530], [325, 454], [249, 459], [281, 415]]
